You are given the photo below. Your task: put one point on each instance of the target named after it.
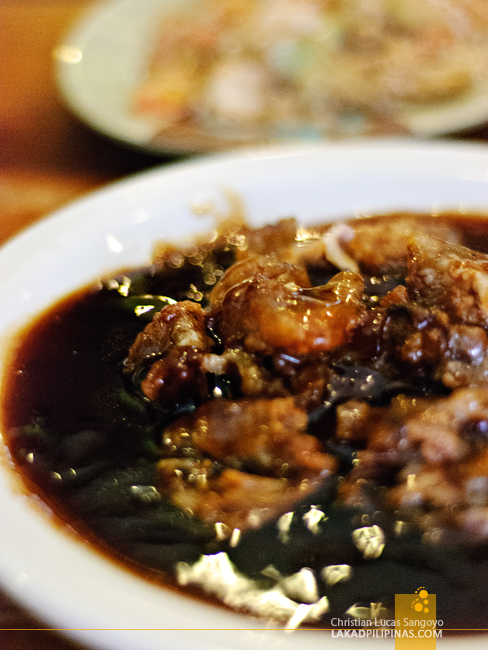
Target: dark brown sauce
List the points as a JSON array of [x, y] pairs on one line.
[[83, 440]]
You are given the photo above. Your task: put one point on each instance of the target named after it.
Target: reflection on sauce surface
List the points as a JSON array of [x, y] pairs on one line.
[[301, 429]]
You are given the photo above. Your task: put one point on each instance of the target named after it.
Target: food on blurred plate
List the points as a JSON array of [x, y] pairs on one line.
[[293, 419], [247, 69]]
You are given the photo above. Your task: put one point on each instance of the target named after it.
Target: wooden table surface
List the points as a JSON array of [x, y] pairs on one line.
[[48, 158]]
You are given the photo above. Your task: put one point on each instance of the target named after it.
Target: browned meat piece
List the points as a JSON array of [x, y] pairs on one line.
[[180, 325], [450, 277], [264, 436], [441, 429], [445, 429], [267, 436], [304, 321], [380, 246], [424, 341], [269, 306], [177, 334], [233, 498], [242, 500], [382, 430], [435, 449], [177, 378]]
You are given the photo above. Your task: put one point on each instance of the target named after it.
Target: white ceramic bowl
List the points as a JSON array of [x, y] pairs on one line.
[[60, 578]]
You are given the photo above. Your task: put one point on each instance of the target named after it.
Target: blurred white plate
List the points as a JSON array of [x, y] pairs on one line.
[[63, 580], [102, 61]]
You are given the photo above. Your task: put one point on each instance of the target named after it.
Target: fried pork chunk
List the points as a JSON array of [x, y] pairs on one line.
[[177, 339], [448, 483], [267, 436], [449, 277], [423, 342], [181, 325], [433, 452], [266, 306], [435, 327], [382, 245], [270, 461]]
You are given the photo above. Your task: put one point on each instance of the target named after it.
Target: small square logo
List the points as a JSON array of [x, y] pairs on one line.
[[416, 624]]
